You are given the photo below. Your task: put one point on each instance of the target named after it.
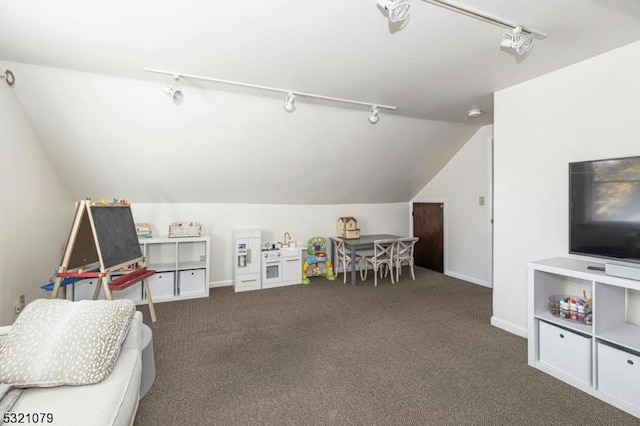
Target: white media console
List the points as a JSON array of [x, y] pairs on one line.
[[602, 359]]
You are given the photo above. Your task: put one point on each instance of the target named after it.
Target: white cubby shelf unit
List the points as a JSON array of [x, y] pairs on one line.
[[182, 271], [181, 265], [601, 359]]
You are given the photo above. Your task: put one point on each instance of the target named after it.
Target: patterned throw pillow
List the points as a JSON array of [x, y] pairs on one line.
[[57, 342]]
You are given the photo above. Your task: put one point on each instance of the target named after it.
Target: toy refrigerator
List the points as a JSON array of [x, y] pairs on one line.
[[246, 259]]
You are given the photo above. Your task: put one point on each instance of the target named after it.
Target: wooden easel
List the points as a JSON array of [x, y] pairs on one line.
[[103, 240]]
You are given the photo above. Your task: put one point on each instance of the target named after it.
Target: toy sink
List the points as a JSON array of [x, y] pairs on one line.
[[290, 251]]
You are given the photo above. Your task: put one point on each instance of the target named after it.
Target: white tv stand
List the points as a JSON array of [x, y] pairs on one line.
[[602, 359]]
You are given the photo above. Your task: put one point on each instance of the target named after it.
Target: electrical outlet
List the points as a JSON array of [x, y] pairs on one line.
[[481, 200], [20, 305], [202, 258]]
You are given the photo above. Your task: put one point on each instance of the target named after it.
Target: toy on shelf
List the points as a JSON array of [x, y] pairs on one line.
[[105, 202], [348, 228], [184, 229], [317, 249], [144, 230]]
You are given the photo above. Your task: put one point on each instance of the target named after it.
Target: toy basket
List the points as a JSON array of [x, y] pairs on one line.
[[571, 308]]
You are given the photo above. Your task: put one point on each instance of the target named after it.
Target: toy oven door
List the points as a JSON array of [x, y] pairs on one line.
[[271, 271]]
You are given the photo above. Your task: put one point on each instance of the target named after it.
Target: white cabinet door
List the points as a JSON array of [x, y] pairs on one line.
[[246, 282], [292, 270], [254, 262]]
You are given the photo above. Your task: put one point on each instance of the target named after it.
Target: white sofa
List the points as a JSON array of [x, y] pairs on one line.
[[113, 401]]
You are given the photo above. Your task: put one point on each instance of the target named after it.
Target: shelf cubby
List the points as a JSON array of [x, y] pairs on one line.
[[601, 358]]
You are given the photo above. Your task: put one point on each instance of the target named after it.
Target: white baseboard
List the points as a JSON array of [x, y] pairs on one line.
[[225, 283], [509, 326], [473, 280]]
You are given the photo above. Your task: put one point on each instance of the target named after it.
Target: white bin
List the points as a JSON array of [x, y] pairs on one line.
[[162, 285], [619, 374], [191, 282], [566, 351]]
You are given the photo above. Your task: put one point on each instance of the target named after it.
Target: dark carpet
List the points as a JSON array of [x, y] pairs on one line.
[[417, 352]]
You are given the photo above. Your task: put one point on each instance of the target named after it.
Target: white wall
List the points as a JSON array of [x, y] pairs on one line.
[[301, 221], [459, 185], [35, 212], [226, 145], [582, 112]]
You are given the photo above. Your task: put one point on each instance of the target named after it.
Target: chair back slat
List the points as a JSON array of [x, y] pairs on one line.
[[339, 246], [405, 247], [383, 249], [341, 251]]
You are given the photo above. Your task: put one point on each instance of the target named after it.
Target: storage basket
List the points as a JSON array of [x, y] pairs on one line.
[[571, 308]]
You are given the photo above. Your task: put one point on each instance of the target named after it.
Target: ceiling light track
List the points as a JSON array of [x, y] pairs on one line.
[[291, 95], [520, 39], [486, 18]]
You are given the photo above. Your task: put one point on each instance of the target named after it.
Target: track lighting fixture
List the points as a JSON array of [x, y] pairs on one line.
[[175, 90], [518, 40], [290, 102], [374, 114], [8, 77], [397, 10]]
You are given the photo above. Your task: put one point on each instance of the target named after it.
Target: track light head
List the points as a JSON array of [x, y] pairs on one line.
[[374, 114], [175, 90], [518, 40], [290, 102], [397, 10], [8, 77]]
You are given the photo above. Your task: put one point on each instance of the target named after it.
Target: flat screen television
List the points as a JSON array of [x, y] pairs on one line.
[[604, 208]]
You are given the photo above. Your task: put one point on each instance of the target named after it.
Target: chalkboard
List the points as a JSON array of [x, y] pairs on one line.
[[116, 235]]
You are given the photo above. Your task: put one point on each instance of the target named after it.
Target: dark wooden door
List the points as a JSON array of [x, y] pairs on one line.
[[428, 225]]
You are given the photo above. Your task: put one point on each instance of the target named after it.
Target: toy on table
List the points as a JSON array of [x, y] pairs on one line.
[[348, 228], [317, 249]]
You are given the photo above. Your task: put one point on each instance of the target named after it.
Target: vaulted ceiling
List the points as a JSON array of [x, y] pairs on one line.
[[111, 131]]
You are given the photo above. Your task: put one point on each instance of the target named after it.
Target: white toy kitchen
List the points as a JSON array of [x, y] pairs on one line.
[[281, 262], [247, 260]]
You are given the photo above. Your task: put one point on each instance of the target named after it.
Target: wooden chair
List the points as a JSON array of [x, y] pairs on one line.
[[404, 254], [382, 256], [342, 258]]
